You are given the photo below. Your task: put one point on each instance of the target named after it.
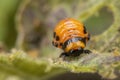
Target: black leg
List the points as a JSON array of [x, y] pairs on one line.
[[63, 54], [87, 51], [74, 53]]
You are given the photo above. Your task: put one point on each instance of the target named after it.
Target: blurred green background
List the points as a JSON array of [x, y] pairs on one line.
[[28, 25], [7, 22], [21, 21]]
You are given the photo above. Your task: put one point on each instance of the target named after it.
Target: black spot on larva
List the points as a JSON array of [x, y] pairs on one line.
[[56, 44], [57, 38], [61, 44], [54, 34], [84, 40], [85, 30]]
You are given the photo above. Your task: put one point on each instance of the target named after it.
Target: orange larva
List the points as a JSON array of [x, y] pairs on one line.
[[71, 36]]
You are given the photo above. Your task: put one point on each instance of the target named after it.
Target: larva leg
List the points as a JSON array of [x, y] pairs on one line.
[[87, 51]]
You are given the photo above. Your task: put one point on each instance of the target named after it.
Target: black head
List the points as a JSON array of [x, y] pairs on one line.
[[75, 52]]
